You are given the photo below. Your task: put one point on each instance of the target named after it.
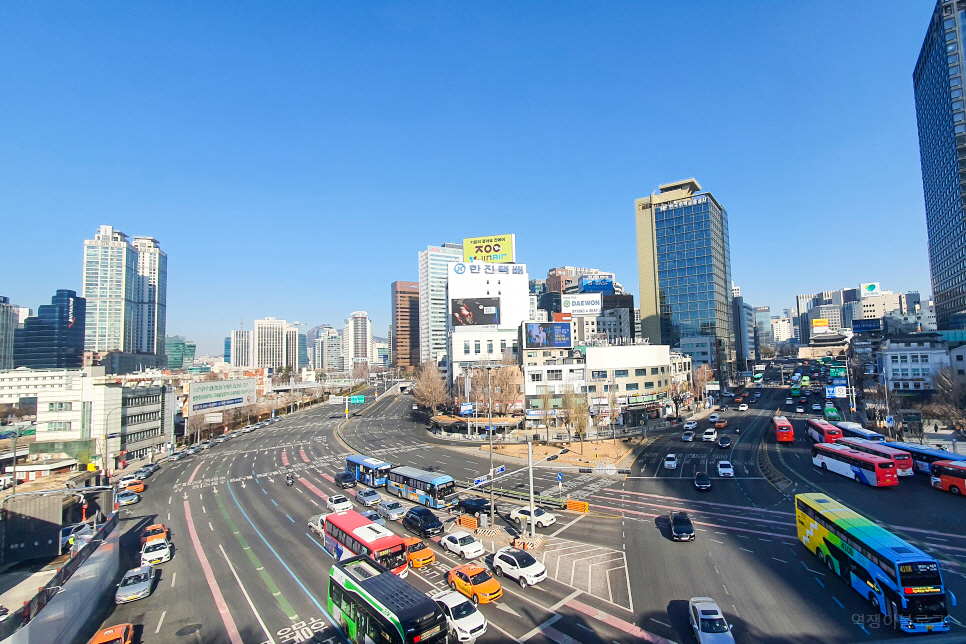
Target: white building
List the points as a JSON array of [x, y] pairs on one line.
[[242, 349], [699, 348], [536, 314], [328, 350], [111, 290], [292, 347], [29, 383], [870, 308], [152, 296], [640, 375], [275, 344], [433, 307], [911, 362], [357, 344], [782, 330]]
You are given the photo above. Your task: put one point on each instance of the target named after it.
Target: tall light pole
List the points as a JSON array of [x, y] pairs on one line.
[[489, 411]]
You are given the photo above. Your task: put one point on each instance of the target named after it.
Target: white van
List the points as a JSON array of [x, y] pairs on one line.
[[710, 434]]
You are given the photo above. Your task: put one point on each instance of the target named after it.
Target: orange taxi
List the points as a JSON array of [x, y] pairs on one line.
[[721, 423], [475, 582], [134, 486], [119, 634], [418, 554], [152, 532]]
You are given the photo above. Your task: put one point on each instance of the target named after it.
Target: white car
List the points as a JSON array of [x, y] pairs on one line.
[[122, 482], [725, 469], [789, 401], [743, 407], [713, 418], [520, 565], [816, 407], [462, 544], [691, 424], [708, 622], [540, 516], [338, 503], [671, 462], [464, 621], [155, 552], [799, 409]]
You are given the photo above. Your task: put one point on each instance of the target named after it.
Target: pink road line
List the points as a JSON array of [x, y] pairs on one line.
[[311, 487], [302, 454], [327, 477], [226, 617], [192, 477], [284, 458], [703, 512], [720, 505], [616, 622], [710, 525]]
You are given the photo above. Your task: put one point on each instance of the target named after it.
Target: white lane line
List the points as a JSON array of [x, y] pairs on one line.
[[209, 525], [247, 598], [169, 499], [746, 549], [716, 541], [781, 560], [568, 525], [555, 607], [158, 629], [539, 629], [169, 516], [656, 621], [174, 576]]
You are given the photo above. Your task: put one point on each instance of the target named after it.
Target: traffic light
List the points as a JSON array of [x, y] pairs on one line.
[[554, 457], [623, 471]]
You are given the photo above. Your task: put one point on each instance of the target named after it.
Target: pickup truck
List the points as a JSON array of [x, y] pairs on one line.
[[315, 524]]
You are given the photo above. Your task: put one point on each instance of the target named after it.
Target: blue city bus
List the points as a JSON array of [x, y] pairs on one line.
[[898, 579], [426, 488], [855, 430], [923, 457], [370, 471]]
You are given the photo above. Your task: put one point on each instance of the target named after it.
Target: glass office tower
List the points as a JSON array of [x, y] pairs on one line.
[[941, 116], [684, 264], [54, 339]]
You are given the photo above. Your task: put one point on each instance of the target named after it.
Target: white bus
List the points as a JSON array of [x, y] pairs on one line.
[[903, 460], [855, 430]]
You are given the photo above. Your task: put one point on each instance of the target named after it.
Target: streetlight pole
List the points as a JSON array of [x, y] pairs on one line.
[[533, 522], [489, 390]]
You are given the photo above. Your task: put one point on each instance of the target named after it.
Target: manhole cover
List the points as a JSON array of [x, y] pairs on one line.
[[188, 630]]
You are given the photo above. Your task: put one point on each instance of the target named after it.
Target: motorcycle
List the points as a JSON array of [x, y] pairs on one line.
[[289, 481]]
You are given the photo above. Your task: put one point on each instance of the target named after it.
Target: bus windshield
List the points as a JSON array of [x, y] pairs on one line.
[[924, 573], [445, 489]]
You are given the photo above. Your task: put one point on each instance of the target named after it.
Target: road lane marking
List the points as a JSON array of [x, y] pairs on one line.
[[290, 519], [746, 549], [220, 603], [158, 629], [820, 582], [836, 600], [209, 526], [261, 623], [781, 560], [538, 629], [656, 621], [573, 595], [174, 576], [716, 541]]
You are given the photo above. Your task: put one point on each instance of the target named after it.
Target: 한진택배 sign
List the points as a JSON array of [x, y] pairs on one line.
[[220, 395]]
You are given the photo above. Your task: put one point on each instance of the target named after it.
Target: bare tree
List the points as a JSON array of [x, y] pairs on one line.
[[567, 402], [360, 371], [430, 390], [506, 387], [680, 392], [579, 419], [546, 404], [702, 376], [613, 409], [949, 402]]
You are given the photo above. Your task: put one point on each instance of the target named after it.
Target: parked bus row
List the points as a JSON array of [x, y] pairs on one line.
[[430, 489]]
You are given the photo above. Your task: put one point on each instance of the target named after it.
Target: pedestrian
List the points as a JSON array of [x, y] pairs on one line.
[[935, 428]]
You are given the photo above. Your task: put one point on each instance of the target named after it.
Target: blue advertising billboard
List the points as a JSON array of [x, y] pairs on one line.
[[595, 284], [553, 335], [865, 326]]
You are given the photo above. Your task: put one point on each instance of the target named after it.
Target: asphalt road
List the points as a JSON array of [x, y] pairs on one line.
[[246, 568]]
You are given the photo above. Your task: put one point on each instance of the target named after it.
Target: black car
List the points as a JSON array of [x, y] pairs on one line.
[[702, 481], [473, 505], [724, 442], [422, 522], [345, 479], [681, 528]]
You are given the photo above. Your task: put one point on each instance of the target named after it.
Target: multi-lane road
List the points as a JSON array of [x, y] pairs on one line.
[[247, 570]]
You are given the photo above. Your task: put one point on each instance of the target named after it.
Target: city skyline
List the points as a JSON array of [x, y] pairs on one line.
[[591, 142]]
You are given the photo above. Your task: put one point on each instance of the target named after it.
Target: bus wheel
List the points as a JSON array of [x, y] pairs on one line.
[[825, 467], [955, 490], [426, 503], [875, 603]]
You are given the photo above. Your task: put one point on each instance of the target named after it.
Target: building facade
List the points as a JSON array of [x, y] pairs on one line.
[[744, 321], [941, 118], [433, 307], [404, 335], [781, 330], [111, 291], [909, 364], [241, 349], [275, 344], [763, 324], [357, 345], [684, 266], [328, 350], [9, 320], [54, 339], [152, 296], [179, 353]]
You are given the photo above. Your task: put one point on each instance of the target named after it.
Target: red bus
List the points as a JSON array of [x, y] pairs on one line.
[[784, 433], [949, 476], [822, 431], [348, 534], [864, 468], [903, 460]]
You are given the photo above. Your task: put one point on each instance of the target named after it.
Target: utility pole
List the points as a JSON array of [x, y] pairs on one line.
[[490, 414], [533, 523]]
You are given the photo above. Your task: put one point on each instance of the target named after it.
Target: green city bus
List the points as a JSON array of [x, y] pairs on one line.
[[832, 414], [796, 391], [806, 381], [371, 604], [898, 579]]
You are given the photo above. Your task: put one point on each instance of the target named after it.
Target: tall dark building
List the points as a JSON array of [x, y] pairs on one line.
[[228, 349], [404, 334], [941, 116], [54, 339], [623, 301]]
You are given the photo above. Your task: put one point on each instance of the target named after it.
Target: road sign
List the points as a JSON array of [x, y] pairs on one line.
[[890, 421], [837, 372], [840, 382], [841, 392], [559, 477], [830, 392], [216, 417], [357, 400], [500, 470], [466, 409], [608, 468], [336, 400], [480, 480]]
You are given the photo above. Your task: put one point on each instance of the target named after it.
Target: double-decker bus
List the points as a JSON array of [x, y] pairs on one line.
[[949, 476], [897, 578], [347, 534], [822, 431], [426, 488], [796, 391], [371, 471], [923, 457], [864, 468], [831, 414], [371, 604], [855, 430], [903, 460], [784, 432]]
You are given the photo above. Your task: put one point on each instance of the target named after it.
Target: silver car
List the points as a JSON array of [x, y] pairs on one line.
[[373, 516], [368, 498], [136, 584], [391, 510]]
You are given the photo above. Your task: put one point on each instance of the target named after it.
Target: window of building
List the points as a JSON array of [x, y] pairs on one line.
[[466, 347], [555, 374], [961, 372], [58, 426], [592, 389], [502, 346], [531, 354], [914, 358], [536, 376], [903, 358], [632, 386], [59, 406], [959, 358], [924, 357], [620, 373], [476, 347], [649, 385], [547, 354], [895, 373], [895, 359], [489, 346], [598, 375], [576, 374], [640, 372]]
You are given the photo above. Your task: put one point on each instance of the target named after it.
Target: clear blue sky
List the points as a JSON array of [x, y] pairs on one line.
[[292, 158]]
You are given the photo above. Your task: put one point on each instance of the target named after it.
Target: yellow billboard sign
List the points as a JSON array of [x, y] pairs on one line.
[[819, 322], [496, 249]]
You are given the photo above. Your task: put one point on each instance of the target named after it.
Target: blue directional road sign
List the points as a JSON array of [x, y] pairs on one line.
[[480, 480], [500, 470], [830, 392], [559, 477], [890, 421]]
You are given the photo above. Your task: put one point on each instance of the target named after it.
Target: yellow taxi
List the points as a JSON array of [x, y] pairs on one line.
[[152, 532], [418, 554], [134, 486], [120, 634], [475, 582]]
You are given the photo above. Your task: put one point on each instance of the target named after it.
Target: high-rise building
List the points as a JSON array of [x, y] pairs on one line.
[[781, 330], [684, 266], [292, 347], [357, 346], [938, 85], [744, 324], [9, 320], [152, 295], [763, 324], [240, 349], [328, 349], [111, 291], [275, 344], [179, 352], [404, 334], [433, 307], [226, 352], [55, 338]]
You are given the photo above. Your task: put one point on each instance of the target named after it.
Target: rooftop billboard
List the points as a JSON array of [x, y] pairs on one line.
[[475, 311], [552, 335], [220, 395], [496, 249]]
